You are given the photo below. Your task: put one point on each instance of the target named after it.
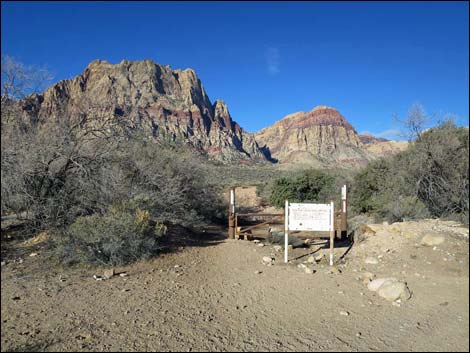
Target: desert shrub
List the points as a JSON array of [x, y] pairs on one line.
[[116, 238], [307, 186], [430, 178]]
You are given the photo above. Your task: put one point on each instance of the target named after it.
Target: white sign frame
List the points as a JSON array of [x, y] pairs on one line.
[[325, 222]]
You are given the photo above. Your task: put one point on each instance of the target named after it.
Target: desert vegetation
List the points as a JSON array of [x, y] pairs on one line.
[[429, 179], [107, 193], [104, 191]]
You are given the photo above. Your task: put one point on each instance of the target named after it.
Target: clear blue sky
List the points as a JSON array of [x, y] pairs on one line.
[[266, 60]]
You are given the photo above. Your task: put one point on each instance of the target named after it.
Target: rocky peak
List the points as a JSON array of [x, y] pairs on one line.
[[168, 104], [320, 134]]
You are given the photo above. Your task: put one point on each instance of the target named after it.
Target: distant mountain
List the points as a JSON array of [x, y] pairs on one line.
[[167, 104], [322, 137], [172, 105]]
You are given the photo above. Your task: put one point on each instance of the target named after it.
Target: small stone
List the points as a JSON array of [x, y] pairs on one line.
[[377, 283], [176, 266], [123, 274], [344, 313], [258, 272], [260, 245], [319, 257], [311, 259], [358, 334], [309, 270], [256, 241], [267, 259], [301, 266], [98, 278], [33, 254], [334, 270], [367, 277], [277, 248], [108, 273], [371, 261], [432, 240]]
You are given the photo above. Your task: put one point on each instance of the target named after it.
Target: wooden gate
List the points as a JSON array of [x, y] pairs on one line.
[[237, 230]]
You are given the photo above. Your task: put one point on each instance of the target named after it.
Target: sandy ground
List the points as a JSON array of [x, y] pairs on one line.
[[216, 295]]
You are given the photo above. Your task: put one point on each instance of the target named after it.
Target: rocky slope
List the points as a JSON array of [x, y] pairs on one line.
[[381, 147], [167, 104], [319, 137]]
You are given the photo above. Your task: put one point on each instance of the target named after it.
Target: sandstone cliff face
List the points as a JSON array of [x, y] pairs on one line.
[[165, 103], [321, 137], [172, 105], [315, 137]]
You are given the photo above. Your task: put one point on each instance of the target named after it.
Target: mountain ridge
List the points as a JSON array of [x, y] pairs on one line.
[[173, 104]]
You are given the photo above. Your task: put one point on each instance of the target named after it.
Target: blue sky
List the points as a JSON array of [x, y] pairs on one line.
[[268, 59]]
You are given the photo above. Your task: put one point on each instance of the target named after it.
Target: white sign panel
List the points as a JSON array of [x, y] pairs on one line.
[[310, 216]]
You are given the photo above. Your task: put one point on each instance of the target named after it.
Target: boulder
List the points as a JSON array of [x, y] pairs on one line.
[[394, 290]]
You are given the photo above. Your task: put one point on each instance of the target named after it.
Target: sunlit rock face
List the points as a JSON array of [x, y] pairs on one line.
[[166, 104], [320, 136]]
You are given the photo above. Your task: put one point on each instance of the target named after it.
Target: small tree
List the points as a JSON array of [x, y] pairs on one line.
[[308, 186], [414, 124]]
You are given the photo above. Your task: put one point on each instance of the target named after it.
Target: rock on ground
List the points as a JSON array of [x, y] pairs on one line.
[[377, 283], [394, 290], [432, 240]]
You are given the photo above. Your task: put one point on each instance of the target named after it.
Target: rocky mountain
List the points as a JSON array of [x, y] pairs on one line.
[[172, 105], [167, 104], [322, 137]]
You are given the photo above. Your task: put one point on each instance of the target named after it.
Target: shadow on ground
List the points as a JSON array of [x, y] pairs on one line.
[[180, 237]]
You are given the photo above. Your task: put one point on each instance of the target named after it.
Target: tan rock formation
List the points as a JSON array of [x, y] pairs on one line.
[[164, 103], [322, 137]]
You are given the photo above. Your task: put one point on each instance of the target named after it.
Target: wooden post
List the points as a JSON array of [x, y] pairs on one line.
[[286, 232], [344, 213], [332, 232], [231, 214]]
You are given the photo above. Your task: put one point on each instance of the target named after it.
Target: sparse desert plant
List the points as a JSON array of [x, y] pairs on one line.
[[117, 238]]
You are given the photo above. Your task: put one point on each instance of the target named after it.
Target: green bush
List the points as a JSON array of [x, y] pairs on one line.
[[430, 178], [117, 238], [308, 186]]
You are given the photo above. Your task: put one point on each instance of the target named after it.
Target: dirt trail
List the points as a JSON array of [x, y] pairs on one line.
[[212, 298]]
